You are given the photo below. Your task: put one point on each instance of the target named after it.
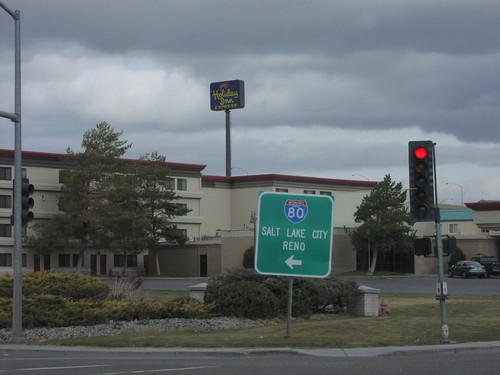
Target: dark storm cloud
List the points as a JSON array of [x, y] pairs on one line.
[[257, 27], [329, 83]]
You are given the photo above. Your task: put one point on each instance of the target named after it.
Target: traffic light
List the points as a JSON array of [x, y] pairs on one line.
[[27, 202], [421, 167], [422, 246]]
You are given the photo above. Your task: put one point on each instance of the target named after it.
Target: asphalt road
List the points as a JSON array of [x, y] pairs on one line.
[[396, 284], [427, 284], [430, 361]]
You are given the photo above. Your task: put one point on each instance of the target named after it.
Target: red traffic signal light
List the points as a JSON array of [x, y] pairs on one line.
[[420, 152], [421, 169]]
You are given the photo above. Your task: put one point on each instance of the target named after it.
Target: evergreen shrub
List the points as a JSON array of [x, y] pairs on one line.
[[247, 299], [309, 295], [67, 284]]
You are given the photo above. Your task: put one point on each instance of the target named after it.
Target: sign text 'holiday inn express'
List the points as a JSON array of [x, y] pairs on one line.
[[227, 95]]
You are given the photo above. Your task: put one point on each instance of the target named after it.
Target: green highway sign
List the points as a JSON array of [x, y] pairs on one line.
[[294, 235]]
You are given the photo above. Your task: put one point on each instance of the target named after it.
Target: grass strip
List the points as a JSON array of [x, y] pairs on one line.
[[414, 320]]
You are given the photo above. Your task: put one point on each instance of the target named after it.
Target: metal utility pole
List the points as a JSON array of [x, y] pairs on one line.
[[442, 289], [17, 324]]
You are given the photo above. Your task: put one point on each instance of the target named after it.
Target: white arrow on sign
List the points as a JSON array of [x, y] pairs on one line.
[[290, 262]]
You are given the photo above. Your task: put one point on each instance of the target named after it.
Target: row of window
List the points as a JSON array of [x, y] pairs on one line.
[[6, 202], [6, 260], [282, 190], [70, 260], [6, 173], [175, 183]]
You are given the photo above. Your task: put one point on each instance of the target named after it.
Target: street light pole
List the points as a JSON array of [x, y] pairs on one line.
[[461, 190], [17, 313]]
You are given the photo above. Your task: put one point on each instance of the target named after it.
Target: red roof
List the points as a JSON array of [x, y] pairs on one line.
[[288, 178], [59, 157], [484, 206]]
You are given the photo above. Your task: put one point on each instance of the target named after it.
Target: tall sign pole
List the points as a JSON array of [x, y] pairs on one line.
[[225, 96], [17, 324], [228, 143]]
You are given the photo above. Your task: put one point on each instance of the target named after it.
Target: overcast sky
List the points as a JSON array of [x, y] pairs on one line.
[[334, 88]]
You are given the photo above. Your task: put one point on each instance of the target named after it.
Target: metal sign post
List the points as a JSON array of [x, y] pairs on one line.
[[294, 238], [225, 96]]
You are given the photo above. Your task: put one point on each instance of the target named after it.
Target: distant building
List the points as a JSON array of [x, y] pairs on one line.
[[220, 224]]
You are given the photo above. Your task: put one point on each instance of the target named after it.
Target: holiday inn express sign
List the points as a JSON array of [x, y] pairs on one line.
[[294, 235], [227, 95]]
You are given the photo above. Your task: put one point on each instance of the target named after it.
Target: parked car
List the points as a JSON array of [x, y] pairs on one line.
[[467, 268], [490, 263]]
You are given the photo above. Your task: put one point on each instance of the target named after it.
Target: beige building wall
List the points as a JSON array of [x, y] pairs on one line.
[[232, 250], [186, 261], [215, 211]]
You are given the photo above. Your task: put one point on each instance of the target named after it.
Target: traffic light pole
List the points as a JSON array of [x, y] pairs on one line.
[[17, 324], [441, 295]]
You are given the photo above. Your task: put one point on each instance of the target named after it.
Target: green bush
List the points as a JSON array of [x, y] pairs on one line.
[[247, 299], [6, 286], [301, 301], [45, 311], [67, 284], [456, 256], [57, 311], [309, 295], [187, 308], [249, 258], [52, 299], [5, 312]]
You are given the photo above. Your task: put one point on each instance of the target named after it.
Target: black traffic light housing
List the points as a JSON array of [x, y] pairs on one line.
[[27, 201], [422, 246], [421, 168]]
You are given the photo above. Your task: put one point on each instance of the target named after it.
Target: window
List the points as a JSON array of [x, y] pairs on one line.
[[182, 207], [64, 260], [453, 228], [131, 260], [309, 192], [325, 193], [5, 201], [75, 260], [5, 260], [5, 230], [171, 184], [118, 260], [5, 173], [183, 232], [281, 190], [182, 184]]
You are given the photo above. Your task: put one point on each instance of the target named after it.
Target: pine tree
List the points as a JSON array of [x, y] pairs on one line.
[[386, 224]]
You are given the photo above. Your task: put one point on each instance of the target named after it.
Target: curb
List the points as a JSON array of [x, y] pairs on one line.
[[316, 352]]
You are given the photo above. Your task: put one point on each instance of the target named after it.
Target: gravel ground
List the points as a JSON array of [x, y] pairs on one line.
[[37, 335]]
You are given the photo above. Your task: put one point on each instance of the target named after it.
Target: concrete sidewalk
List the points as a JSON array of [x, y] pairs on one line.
[[319, 352]]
